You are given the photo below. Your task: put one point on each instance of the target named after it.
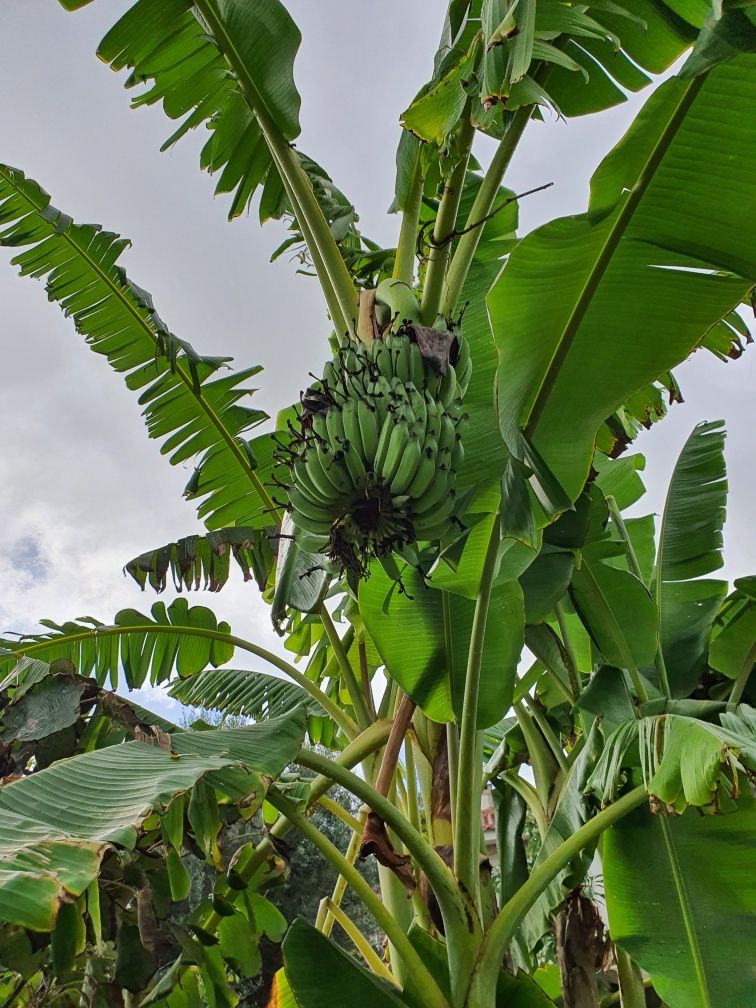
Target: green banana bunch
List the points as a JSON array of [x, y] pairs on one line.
[[375, 460]]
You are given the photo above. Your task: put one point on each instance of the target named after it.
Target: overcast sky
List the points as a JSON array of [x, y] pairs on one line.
[[83, 490]]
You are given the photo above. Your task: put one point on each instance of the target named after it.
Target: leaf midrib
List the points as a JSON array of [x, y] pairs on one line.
[[606, 252], [687, 916]]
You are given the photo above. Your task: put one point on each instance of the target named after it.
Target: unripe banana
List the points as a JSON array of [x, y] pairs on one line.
[[318, 477], [354, 465], [436, 492], [457, 455], [400, 436], [351, 423], [438, 512], [425, 472], [448, 389], [383, 444], [408, 464], [307, 524], [369, 430], [330, 462], [335, 428], [316, 512], [417, 367], [448, 435]]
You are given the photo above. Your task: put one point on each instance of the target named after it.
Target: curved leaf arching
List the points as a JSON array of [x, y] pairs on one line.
[[635, 284], [194, 409], [203, 561], [241, 692], [181, 638]]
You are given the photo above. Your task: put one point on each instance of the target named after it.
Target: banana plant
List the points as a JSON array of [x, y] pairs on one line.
[[440, 529]]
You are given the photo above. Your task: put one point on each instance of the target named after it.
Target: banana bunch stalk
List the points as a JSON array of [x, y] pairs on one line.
[[379, 444]]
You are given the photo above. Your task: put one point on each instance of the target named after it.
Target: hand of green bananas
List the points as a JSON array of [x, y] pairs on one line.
[[374, 462]]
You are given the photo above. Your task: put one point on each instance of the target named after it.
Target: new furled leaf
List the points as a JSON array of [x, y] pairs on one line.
[[690, 545]]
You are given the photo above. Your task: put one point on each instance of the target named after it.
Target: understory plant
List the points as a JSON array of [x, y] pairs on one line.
[[439, 527]]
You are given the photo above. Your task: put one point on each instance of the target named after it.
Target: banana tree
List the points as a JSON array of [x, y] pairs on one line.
[[438, 528]]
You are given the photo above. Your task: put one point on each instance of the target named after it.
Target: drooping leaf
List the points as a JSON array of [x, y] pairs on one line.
[[560, 375], [697, 759], [678, 889], [195, 412], [301, 578], [202, 562], [51, 847], [732, 649]]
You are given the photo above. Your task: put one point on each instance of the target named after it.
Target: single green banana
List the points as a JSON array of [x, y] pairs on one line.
[[438, 512], [319, 427], [383, 443], [426, 471], [448, 434], [400, 436], [300, 502], [335, 427], [382, 359], [457, 455], [418, 406], [432, 417], [318, 477], [307, 524], [333, 469], [430, 533], [354, 465], [367, 416], [436, 492], [351, 422], [408, 464], [417, 367], [402, 359], [448, 389], [463, 376]]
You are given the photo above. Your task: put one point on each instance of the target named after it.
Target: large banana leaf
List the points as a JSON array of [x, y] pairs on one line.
[[240, 692], [680, 892], [189, 404], [228, 65], [634, 284], [690, 545], [167, 42], [57, 824], [181, 638], [321, 974], [407, 627]]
